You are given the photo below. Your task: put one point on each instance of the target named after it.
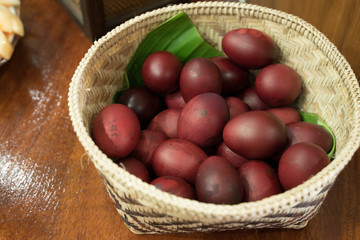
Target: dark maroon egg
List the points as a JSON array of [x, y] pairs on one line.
[[252, 99], [116, 130], [300, 162], [166, 122], [160, 71], [174, 100], [148, 142], [199, 75], [309, 132], [135, 167], [286, 114], [233, 158], [236, 106], [249, 48], [174, 185], [259, 180], [278, 85], [142, 101], [255, 134], [234, 78], [202, 119], [179, 158], [218, 182]]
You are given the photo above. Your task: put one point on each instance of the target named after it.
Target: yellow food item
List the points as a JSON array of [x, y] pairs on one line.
[[6, 49], [9, 22], [10, 25], [10, 2]]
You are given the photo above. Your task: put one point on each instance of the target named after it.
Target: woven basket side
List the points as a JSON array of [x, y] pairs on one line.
[[330, 89], [143, 219]]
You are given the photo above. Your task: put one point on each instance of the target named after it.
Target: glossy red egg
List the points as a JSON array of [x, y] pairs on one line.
[[160, 71], [249, 48], [148, 142], [233, 158], [202, 119], [278, 85], [309, 132], [259, 180], [174, 185], [234, 78], [166, 122], [135, 167], [179, 158], [236, 106], [116, 130], [300, 162], [252, 99], [286, 114], [174, 100], [145, 103], [218, 182], [255, 134], [199, 75]]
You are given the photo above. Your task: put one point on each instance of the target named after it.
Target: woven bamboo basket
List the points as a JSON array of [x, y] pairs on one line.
[[330, 89]]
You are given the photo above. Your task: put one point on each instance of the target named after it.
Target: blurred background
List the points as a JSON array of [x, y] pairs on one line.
[[339, 20]]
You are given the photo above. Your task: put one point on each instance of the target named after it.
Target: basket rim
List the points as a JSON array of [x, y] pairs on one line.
[[169, 202]]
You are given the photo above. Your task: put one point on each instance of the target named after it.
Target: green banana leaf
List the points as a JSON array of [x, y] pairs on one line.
[[314, 118], [177, 35]]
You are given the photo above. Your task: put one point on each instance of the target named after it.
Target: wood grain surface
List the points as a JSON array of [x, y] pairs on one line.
[[50, 190]]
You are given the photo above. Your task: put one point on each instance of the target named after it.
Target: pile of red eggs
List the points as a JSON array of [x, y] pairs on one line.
[[211, 129]]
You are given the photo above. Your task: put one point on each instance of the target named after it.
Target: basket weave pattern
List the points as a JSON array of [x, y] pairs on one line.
[[330, 89]]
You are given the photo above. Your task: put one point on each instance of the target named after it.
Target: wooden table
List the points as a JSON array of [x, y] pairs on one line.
[[49, 189]]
